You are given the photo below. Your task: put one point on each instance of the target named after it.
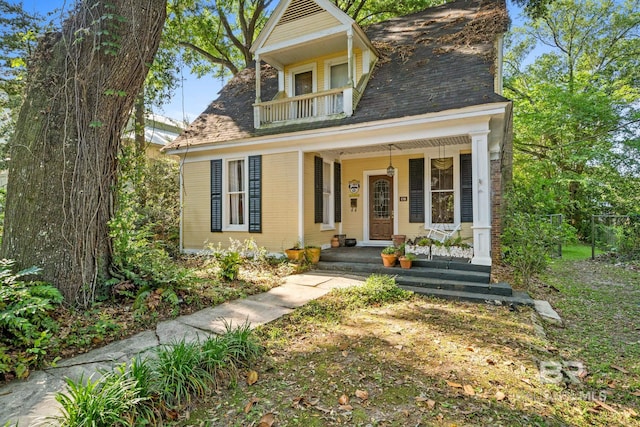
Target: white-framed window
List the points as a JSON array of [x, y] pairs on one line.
[[328, 220], [302, 81], [235, 195], [442, 190], [336, 72]]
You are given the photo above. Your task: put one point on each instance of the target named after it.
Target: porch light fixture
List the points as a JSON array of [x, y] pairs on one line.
[[390, 170]]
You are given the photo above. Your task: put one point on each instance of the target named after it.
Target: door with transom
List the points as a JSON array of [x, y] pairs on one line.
[[380, 207]]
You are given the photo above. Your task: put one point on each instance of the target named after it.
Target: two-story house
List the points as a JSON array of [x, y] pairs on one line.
[[394, 129]]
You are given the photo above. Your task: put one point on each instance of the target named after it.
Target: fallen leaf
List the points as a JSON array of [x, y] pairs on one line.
[[500, 395], [431, 404], [470, 349], [343, 400], [454, 385], [252, 377], [490, 362], [267, 420], [619, 368], [612, 384], [421, 399], [249, 405], [362, 394], [604, 405], [346, 407], [636, 393], [468, 390], [582, 373], [398, 347]]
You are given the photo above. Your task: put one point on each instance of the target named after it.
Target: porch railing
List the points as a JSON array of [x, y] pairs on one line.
[[306, 107]]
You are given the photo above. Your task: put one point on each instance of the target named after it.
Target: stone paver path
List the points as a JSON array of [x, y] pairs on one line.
[[31, 402]]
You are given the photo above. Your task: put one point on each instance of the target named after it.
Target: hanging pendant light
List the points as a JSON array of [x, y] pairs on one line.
[[390, 169]]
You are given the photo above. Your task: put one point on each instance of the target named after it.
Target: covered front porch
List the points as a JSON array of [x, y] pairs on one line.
[[403, 187]]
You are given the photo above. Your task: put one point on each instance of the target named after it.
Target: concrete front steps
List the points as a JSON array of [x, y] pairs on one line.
[[447, 279]]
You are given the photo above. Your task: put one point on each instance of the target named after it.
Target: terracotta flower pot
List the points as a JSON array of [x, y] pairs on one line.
[[405, 262], [389, 260]]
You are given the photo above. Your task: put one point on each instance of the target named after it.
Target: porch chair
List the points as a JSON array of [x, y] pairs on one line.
[[441, 234]]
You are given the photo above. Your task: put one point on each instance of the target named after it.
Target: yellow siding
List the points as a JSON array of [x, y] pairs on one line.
[[280, 213], [301, 27], [313, 234]]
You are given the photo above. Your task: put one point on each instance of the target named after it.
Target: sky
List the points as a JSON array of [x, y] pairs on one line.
[[194, 94]]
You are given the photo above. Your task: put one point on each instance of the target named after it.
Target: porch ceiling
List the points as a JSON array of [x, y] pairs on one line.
[[401, 146]]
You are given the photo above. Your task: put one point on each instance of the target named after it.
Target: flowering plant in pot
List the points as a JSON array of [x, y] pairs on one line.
[[406, 260], [389, 256]]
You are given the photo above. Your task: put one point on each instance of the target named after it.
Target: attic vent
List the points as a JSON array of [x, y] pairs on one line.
[[299, 9]]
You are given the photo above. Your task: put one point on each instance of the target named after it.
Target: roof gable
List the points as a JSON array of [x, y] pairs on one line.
[[292, 16]]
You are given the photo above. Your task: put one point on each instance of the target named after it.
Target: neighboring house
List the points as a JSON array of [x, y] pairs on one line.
[[159, 131], [390, 130]]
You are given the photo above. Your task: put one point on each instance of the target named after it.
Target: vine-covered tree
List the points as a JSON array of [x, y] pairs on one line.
[[577, 108], [82, 82]]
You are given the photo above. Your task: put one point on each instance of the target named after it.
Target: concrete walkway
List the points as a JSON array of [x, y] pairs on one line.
[[30, 402]]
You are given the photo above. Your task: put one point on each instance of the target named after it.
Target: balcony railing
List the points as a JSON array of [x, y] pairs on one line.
[[302, 108]]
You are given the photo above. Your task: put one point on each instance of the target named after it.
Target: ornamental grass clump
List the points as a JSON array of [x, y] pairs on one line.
[[153, 389]]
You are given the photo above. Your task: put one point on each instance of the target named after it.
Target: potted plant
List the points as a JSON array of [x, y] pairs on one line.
[[312, 253], [295, 253], [389, 256], [406, 260]]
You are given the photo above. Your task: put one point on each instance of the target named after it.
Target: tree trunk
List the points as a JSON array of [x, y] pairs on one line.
[[82, 83]]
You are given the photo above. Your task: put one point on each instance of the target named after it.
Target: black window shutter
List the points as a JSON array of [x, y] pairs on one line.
[[216, 195], [337, 192], [317, 189], [416, 190], [255, 194], [466, 189]]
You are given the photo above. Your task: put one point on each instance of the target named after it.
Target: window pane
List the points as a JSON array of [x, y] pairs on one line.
[[236, 192], [236, 175], [326, 193], [381, 195], [303, 83], [442, 207], [442, 174], [236, 209], [339, 75]]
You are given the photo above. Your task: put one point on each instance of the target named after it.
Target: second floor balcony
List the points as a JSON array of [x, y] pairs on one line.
[[333, 103]]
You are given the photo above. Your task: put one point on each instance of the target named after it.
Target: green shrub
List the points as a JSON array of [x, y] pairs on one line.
[[25, 316], [528, 241], [629, 239]]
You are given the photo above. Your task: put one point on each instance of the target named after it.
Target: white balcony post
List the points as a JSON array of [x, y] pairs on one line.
[[347, 101], [350, 57], [481, 185], [258, 79]]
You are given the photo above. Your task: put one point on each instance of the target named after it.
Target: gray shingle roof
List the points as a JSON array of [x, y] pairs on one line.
[[439, 59]]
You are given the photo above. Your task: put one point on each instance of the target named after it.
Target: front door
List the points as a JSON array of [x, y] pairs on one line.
[[380, 207]]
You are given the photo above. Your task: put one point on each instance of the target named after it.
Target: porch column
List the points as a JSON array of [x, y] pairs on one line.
[[481, 184], [350, 57], [256, 108], [258, 79]]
